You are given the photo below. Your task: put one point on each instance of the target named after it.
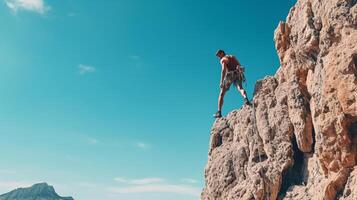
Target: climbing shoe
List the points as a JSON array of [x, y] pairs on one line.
[[217, 115], [247, 102]]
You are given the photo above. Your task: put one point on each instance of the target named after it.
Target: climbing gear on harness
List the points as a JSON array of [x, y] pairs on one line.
[[234, 65], [231, 77]]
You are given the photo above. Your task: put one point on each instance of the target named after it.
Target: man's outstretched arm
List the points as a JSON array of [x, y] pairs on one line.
[[223, 73]]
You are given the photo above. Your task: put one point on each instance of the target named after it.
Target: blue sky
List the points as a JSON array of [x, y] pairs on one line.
[[114, 99]]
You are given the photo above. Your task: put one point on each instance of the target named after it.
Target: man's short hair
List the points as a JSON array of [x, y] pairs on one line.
[[220, 51]]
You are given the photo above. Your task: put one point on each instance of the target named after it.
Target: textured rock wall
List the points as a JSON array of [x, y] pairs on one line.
[[299, 140]]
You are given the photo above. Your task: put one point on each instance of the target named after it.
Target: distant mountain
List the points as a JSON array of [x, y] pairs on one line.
[[40, 191]]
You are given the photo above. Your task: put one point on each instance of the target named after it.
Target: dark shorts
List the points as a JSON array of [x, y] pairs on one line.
[[232, 77]]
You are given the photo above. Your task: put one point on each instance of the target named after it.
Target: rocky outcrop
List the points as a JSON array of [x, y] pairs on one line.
[[299, 139], [40, 191]]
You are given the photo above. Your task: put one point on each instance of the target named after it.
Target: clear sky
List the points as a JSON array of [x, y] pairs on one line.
[[113, 99]]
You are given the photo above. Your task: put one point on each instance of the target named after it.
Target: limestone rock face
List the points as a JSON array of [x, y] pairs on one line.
[[299, 140]]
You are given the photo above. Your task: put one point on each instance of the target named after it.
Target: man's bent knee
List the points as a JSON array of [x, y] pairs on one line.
[[239, 87]]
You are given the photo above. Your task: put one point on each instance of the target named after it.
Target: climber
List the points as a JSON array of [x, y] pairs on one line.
[[232, 72]]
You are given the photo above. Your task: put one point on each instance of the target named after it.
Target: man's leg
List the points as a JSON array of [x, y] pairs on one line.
[[243, 92], [220, 103], [220, 99]]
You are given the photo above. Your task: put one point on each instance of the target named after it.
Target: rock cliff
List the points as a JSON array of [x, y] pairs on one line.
[[299, 139]]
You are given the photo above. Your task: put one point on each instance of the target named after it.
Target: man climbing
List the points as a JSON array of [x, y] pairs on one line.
[[232, 72]]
